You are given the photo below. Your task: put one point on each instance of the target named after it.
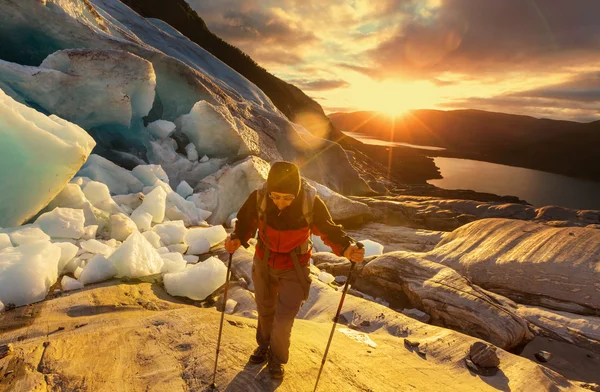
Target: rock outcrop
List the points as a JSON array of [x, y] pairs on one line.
[[435, 213], [407, 280], [530, 263]]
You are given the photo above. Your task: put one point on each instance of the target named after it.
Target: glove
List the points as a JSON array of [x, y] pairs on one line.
[[355, 254], [231, 245]]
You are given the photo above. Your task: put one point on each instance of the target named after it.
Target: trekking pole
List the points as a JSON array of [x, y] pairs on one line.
[[337, 315], [214, 384]]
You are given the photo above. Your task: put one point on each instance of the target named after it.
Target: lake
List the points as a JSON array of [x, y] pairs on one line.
[[378, 142], [534, 186]]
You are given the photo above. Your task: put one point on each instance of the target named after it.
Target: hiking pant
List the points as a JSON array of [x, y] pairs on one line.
[[278, 295]]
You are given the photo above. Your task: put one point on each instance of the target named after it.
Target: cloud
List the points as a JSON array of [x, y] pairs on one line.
[[319, 84], [576, 99], [499, 55], [583, 88], [357, 68], [490, 36]]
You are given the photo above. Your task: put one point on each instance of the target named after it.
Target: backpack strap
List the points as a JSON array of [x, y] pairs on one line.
[[308, 202]]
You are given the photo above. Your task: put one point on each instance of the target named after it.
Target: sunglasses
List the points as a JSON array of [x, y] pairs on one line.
[[284, 198]]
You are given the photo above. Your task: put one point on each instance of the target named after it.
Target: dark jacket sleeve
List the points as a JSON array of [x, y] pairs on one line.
[[332, 235], [247, 223]]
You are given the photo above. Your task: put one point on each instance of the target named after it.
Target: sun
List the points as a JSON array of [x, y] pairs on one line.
[[394, 98]]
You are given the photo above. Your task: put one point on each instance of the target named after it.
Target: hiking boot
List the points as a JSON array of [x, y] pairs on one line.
[[276, 370], [259, 355]]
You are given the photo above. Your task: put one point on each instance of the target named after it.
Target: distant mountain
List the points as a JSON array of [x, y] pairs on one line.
[[561, 147]]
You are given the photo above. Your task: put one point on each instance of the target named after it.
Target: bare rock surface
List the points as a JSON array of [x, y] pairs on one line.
[[582, 331], [395, 238], [407, 280], [531, 263], [140, 338], [435, 213]]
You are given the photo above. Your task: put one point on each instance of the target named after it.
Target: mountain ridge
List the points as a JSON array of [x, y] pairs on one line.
[[555, 146]]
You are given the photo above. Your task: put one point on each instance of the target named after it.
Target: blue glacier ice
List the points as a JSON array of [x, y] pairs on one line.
[[38, 157]]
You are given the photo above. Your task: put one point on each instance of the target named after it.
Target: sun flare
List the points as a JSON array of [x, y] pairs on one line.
[[393, 98]]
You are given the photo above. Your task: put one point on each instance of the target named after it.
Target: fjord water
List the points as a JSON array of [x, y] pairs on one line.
[[536, 187]]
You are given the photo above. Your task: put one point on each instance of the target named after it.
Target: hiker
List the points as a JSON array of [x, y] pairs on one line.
[[285, 211]]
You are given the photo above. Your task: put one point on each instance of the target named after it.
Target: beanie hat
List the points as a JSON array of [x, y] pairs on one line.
[[284, 177]]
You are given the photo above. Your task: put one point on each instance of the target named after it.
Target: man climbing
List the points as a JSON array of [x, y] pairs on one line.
[[285, 211]]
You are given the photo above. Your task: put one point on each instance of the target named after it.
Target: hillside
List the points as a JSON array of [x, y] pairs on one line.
[[560, 147]]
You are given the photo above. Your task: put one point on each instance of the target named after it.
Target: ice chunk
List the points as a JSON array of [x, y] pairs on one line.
[[86, 256], [204, 159], [214, 234], [326, 277], [142, 219], [27, 235], [179, 248], [99, 195], [62, 223], [68, 253], [154, 204], [79, 270], [184, 189], [198, 281], [153, 238], [69, 284], [319, 245], [89, 232], [198, 246], [132, 200], [4, 241], [118, 180], [136, 257], [178, 167], [191, 152], [28, 271], [171, 232], [191, 259], [214, 131], [121, 226], [160, 128], [97, 269], [372, 248], [113, 243], [174, 262], [230, 306], [200, 238], [226, 190], [97, 247], [180, 209], [71, 196], [149, 174], [43, 153]]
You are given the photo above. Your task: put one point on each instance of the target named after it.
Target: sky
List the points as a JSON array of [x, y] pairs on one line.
[[532, 57]]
